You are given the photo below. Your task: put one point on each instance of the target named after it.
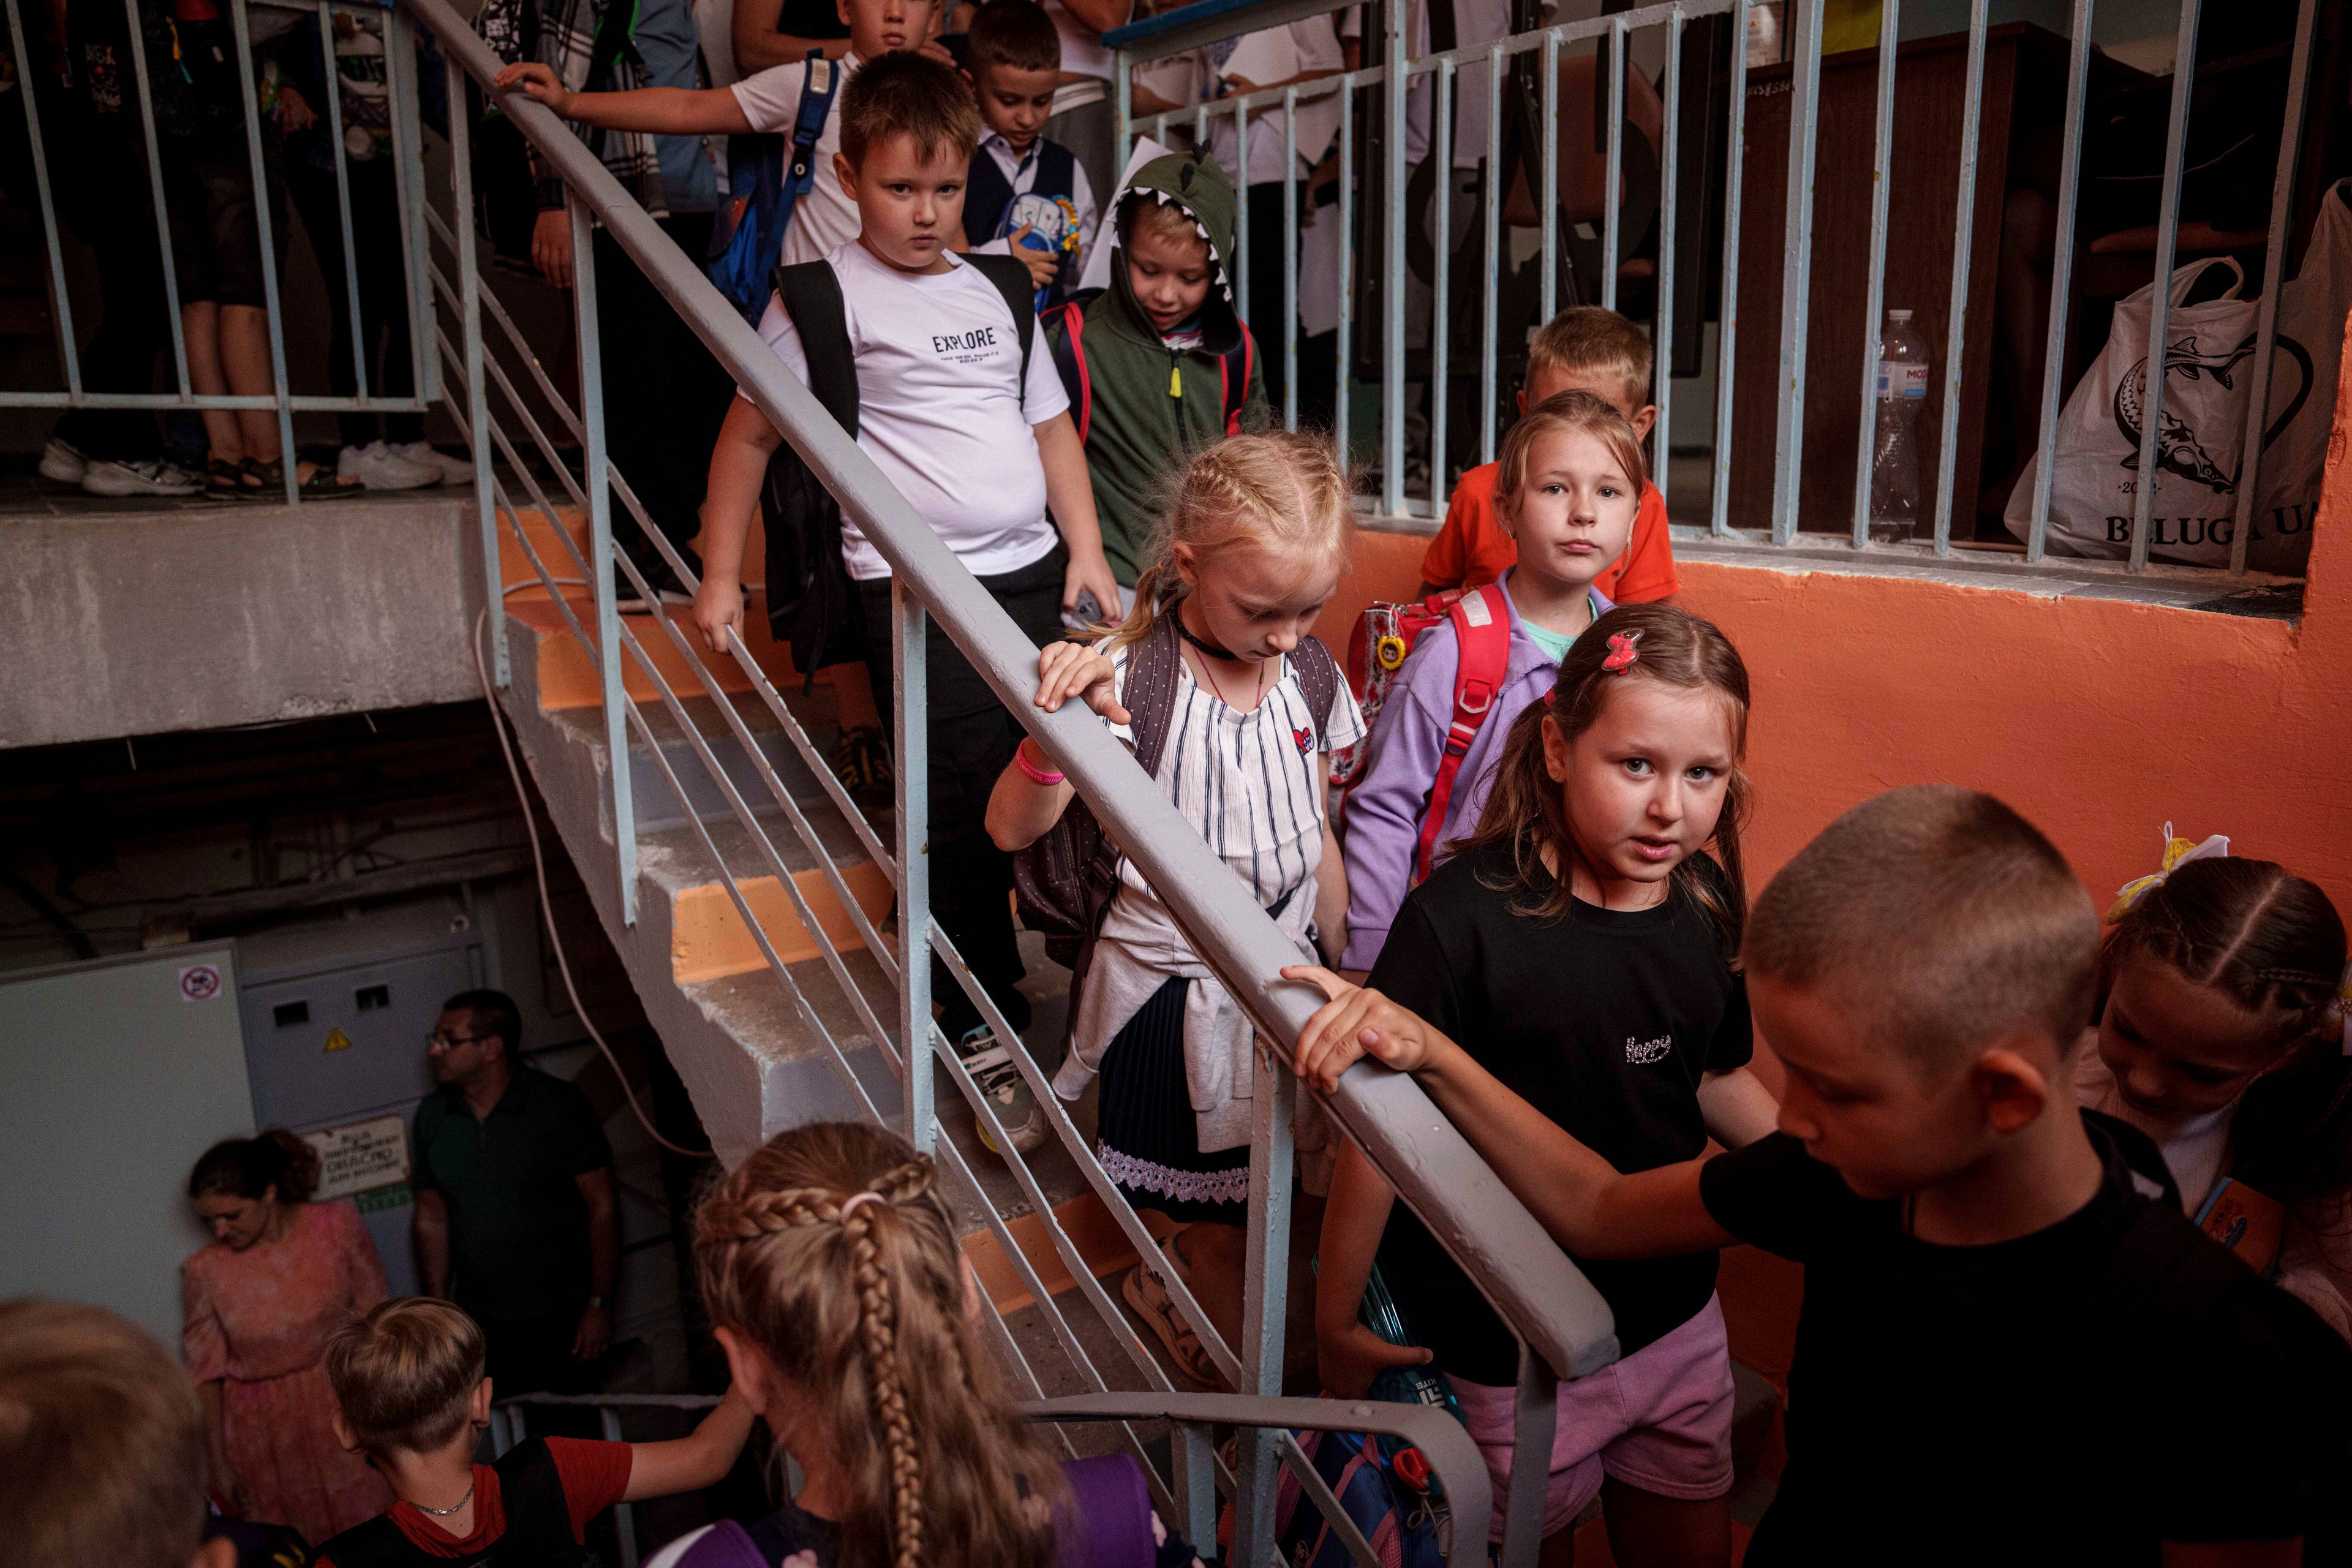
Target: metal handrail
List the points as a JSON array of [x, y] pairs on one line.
[[1531, 1282]]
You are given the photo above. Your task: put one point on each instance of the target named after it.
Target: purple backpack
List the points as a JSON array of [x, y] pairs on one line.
[[1108, 1524]]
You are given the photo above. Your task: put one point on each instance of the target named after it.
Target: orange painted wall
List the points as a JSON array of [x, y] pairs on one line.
[[2098, 720]]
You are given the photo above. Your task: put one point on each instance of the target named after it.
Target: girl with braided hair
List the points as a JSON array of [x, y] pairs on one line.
[[835, 1282], [2222, 1034], [1232, 705]]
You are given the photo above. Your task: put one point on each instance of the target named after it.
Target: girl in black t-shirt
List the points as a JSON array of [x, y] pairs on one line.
[[1579, 945]]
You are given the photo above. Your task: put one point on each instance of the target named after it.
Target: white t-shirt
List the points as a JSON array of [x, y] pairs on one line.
[[824, 219], [1082, 53], [1250, 783], [940, 408], [1272, 54]]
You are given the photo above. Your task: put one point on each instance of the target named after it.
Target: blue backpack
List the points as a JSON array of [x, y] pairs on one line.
[[763, 186]]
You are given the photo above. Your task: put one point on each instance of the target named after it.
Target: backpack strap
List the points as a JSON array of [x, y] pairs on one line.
[[1234, 367], [810, 293], [1481, 642], [1011, 280], [1108, 1521], [1151, 696], [818, 88], [1069, 354], [539, 1514], [1318, 679], [378, 1544]]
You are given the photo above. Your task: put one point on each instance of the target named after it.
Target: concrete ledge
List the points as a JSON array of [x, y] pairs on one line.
[[136, 623]]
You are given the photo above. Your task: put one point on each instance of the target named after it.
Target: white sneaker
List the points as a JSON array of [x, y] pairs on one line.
[[378, 468], [424, 455], [148, 477], [63, 462]]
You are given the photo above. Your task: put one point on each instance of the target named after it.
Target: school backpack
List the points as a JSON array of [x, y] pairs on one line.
[[1107, 1525], [763, 186], [1234, 366], [1383, 635], [1062, 884], [538, 1532], [811, 603]]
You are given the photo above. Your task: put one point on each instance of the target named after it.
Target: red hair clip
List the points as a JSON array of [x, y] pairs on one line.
[[1624, 648]]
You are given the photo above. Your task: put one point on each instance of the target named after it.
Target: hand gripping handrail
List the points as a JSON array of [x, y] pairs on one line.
[[1531, 1282]]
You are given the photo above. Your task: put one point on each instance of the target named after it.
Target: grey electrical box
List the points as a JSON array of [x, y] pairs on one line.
[[335, 1016]]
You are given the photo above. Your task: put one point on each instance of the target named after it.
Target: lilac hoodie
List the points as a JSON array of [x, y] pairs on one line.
[[1384, 808]]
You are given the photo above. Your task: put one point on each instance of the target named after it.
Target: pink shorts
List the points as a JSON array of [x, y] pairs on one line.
[[1659, 1420]]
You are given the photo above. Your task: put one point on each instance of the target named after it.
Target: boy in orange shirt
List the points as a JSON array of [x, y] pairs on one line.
[[1582, 349]]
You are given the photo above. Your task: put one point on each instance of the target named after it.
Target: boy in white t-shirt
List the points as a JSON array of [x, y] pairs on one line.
[[980, 449]]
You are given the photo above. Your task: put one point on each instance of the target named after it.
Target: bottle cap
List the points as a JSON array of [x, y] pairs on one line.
[[1898, 315]]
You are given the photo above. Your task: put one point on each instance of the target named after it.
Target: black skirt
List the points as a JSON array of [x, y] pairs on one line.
[[1147, 1136]]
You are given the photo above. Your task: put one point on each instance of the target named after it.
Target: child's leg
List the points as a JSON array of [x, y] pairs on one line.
[[1649, 1531], [1216, 1258], [199, 326]]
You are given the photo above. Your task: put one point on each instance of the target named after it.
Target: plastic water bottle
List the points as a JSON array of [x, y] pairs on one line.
[[1903, 365]]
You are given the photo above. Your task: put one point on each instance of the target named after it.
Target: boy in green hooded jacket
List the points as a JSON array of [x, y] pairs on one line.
[[1161, 347]]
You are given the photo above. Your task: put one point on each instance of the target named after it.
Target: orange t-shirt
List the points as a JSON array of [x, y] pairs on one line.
[[1472, 548]]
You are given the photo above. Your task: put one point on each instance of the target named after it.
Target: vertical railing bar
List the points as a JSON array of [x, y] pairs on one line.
[[2258, 394], [478, 400], [1290, 256], [1346, 339], [1613, 184], [1875, 299], [1192, 1458], [1440, 337], [2062, 280], [909, 706], [1241, 212], [1662, 329], [624, 1515], [1393, 261], [1796, 264], [67, 350], [408, 191], [1548, 198], [2159, 305], [241, 27], [333, 79], [1123, 88], [155, 190], [604, 578], [1726, 314], [1490, 290], [1200, 129], [1948, 456], [1265, 1297]]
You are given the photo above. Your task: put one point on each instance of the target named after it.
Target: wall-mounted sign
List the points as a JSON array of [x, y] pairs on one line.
[[200, 983], [361, 1156]]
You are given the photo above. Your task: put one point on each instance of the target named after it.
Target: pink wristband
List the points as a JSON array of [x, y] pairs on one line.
[[1030, 771]]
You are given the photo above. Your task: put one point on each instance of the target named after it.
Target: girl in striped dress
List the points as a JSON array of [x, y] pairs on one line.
[[1218, 667]]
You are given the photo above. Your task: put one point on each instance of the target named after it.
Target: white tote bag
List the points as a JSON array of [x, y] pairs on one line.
[[2312, 308], [2094, 480]]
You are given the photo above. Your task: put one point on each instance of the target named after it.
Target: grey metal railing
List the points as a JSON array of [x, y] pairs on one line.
[[1385, 86], [1531, 1282], [407, 144]]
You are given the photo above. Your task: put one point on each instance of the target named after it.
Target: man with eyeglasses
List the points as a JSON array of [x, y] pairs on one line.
[[515, 1212]]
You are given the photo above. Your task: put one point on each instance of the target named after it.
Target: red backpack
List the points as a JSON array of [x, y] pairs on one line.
[[1385, 635]]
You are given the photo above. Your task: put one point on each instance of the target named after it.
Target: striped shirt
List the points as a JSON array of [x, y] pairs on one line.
[[1251, 783]]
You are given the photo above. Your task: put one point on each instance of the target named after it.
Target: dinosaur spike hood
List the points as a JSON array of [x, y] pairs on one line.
[[1204, 193]]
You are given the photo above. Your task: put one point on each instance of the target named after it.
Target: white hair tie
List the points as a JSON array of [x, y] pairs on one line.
[[2177, 852]]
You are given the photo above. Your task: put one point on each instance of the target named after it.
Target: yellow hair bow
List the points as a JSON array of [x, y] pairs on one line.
[[2177, 852]]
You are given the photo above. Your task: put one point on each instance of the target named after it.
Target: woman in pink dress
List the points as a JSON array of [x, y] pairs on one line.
[[279, 1274]]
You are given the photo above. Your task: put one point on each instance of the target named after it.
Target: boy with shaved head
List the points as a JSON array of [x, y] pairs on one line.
[[2007, 1352]]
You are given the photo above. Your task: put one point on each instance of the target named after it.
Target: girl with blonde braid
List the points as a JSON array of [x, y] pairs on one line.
[[830, 1267]]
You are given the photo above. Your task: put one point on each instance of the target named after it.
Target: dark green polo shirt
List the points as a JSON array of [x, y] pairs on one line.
[[517, 1224]]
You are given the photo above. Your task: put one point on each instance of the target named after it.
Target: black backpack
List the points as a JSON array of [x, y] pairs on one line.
[[809, 597], [537, 1533], [1064, 883]]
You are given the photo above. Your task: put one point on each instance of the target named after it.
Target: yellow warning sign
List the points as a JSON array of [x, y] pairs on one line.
[[338, 1041]]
